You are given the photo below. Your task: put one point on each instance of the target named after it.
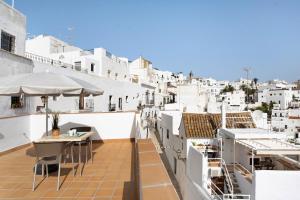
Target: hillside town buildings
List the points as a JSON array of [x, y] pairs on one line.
[[220, 139]]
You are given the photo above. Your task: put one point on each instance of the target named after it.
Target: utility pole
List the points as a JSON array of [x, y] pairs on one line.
[[247, 70]]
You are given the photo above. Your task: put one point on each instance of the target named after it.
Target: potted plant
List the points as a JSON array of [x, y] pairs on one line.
[[55, 128]]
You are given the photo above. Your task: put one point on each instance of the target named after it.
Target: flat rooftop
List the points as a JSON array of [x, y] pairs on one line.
[[270, 146], [251, 133], [110, 177]]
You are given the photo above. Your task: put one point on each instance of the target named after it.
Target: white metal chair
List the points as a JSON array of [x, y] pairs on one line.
[[48, 154], [88, 143]]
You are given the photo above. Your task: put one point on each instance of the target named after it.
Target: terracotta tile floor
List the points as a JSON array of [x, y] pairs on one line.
[[110, 177]]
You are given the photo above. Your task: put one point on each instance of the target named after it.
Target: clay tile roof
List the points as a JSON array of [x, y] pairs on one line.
[[294, 117], [206, 125]]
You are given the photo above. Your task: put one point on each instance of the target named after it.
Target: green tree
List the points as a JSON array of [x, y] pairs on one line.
[[228, 88], [266, 108]]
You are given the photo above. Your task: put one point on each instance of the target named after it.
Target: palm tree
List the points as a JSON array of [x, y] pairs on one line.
[[191, 75], [255, 80]]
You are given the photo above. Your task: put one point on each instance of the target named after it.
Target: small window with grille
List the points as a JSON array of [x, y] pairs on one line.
[[78, 65], [7, 42], [16, 102]]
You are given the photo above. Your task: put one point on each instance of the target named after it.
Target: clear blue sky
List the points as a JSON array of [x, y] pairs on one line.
[[212, 38]]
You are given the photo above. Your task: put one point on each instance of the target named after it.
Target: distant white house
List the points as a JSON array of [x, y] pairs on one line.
[[96, 61]]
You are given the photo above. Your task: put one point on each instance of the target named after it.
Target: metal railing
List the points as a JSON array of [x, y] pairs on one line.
[[46, 60], [227, 177], [244, 169], [236, 196], [225, 171], [217, 194]]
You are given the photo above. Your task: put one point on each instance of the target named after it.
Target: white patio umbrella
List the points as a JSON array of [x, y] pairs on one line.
[[46, 84]]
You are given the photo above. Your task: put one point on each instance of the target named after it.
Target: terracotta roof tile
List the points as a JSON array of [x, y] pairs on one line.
[[205, 125]]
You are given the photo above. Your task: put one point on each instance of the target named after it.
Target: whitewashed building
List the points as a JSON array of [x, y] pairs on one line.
[[97, 61], [280, 96], [12, 60]]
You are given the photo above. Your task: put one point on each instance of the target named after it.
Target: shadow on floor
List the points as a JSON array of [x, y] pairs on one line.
[[129, 188]]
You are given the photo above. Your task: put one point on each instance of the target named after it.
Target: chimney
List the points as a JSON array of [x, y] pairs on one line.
[[223, 114]]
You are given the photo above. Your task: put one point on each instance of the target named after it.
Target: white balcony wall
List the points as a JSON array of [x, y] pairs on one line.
[[275, 184], [16, 131], [197, 175]]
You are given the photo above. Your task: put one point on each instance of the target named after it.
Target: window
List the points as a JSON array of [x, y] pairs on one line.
[[167, 133], [109, 99], [111, 107], [7, 42], [120, 103], [81, 102], [92, 67], [78, 65], [16, 102], [175, 165]]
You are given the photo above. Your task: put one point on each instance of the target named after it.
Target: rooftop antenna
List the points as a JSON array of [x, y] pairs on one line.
[[247, 70]]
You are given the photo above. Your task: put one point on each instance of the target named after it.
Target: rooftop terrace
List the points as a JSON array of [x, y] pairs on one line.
[[119, 171], [110, 177]]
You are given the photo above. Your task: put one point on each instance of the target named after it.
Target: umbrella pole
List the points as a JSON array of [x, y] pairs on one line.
[[46, 106]]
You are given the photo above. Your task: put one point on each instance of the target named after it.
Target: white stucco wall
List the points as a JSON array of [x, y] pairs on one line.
[[276, 185], [197, 175], [16, 131], [14, 23], [104, 124], [118, 89], [192, 98], [12, 64]]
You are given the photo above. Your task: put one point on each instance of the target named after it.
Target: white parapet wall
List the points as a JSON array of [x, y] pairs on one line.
[[196, 175], [16, 131], [275, 184]]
